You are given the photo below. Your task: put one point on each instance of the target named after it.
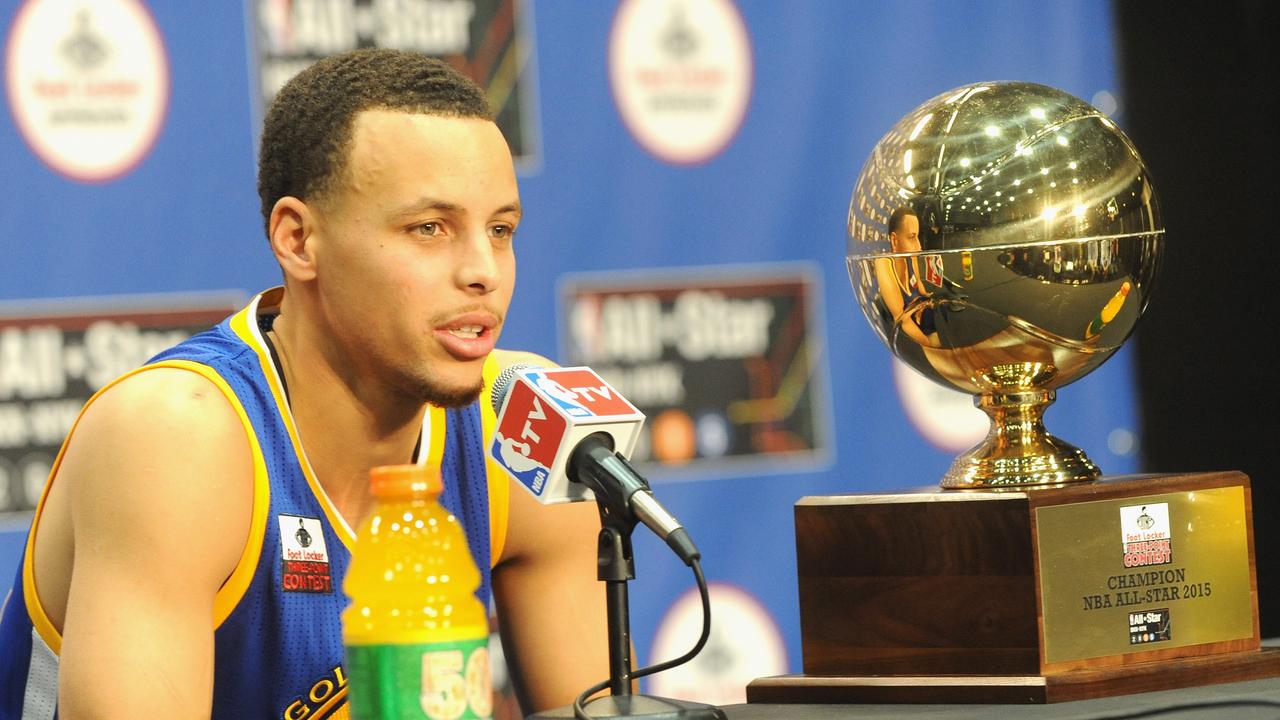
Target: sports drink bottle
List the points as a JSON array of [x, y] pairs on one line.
[[416, 636]]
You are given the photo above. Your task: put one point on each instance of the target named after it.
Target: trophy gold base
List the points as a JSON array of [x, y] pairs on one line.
[[1051, 461], [1122, 585], [1017, 450]]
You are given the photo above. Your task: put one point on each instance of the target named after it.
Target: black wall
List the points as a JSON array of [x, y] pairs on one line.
[[1202, 111]]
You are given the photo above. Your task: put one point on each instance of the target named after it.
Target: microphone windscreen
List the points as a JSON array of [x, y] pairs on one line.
[[502, 383]]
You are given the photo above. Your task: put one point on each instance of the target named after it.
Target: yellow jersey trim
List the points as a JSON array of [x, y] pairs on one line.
[[498, 481], [244, 325], [434, 431], [35, 609], [237, 582]]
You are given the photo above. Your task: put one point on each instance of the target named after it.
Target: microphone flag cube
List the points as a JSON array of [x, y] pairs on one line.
[[545, 414]]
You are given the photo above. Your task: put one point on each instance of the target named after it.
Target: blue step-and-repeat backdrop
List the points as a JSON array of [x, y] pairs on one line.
[[685, 170]]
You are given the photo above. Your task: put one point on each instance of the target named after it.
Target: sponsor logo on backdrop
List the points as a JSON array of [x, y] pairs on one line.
[[681, 72], [55, 354], [88, 84], [725, 361], [945, 417], [488, 40], [745, 644]]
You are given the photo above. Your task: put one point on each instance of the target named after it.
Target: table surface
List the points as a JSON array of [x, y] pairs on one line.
[[1249, 700], [1252, 700]]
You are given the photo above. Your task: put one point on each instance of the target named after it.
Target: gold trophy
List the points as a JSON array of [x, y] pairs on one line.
[[1027, 237], [1003, 241]]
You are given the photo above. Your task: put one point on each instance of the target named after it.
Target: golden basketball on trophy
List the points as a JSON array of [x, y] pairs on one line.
[[1003, 239]]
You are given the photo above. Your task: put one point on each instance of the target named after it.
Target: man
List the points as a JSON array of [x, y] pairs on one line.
[[900, 285], [152, 585], [904, 230]]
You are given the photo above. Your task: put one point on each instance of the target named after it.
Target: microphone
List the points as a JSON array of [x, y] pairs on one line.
[[563, 433]]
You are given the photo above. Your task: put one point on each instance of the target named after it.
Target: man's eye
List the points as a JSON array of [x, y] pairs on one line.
[[430, 228], [501, 232]]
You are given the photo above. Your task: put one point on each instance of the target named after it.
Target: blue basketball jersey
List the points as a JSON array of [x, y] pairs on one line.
[[278, 635]]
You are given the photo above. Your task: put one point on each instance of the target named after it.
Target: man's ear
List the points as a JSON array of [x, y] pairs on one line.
[[291, 232]]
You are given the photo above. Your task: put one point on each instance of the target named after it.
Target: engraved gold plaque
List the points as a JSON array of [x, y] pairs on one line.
[[1110, 588]]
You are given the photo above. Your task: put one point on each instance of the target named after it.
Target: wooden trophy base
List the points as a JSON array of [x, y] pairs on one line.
[[1012, 689], [1124, 585]]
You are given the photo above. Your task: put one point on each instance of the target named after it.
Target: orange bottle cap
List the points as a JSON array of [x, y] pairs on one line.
[[406, 480]]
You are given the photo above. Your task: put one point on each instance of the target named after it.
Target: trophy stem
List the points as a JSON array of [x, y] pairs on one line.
[[1018, 450]]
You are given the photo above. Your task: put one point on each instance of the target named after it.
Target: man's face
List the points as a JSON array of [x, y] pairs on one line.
[[413, 253], [907, 237]]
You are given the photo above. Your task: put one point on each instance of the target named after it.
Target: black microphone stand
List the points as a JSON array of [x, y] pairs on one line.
[[616, 567]]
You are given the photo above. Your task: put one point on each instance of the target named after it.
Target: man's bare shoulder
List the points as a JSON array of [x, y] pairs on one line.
[[161, 391], [161, 450], [157, 478], [507, 358], [154, 430]]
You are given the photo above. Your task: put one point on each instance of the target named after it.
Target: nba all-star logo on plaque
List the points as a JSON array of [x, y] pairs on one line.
[[1148, 626], [303, 557], [1145, 531], [88, 84]]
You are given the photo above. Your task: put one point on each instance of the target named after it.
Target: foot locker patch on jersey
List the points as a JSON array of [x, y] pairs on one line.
[[304, 559]]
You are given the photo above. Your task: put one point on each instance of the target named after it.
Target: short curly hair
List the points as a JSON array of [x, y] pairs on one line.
[[899, 215], [308, 129]]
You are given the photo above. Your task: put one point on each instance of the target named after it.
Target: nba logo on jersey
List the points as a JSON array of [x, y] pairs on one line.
[[528, 436], [303, 556]]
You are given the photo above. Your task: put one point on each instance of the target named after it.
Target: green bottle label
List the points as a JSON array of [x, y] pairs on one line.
[[429, 681]]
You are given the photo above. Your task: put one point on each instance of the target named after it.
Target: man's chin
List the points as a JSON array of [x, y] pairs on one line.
[[448, 396]]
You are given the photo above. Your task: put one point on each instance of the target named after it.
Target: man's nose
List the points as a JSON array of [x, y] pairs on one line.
[[477, 267]]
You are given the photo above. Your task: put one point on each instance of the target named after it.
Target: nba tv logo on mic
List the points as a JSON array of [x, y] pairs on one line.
[[545, 414]]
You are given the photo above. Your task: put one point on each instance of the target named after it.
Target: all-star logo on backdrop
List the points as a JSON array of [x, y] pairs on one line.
[[490, 41]]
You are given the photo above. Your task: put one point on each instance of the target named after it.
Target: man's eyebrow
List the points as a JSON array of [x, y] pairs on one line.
[[430, 204], [427, 205]]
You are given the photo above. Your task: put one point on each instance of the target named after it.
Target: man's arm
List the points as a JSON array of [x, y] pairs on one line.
[[890, 290], [551, 607], [157, 484]]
